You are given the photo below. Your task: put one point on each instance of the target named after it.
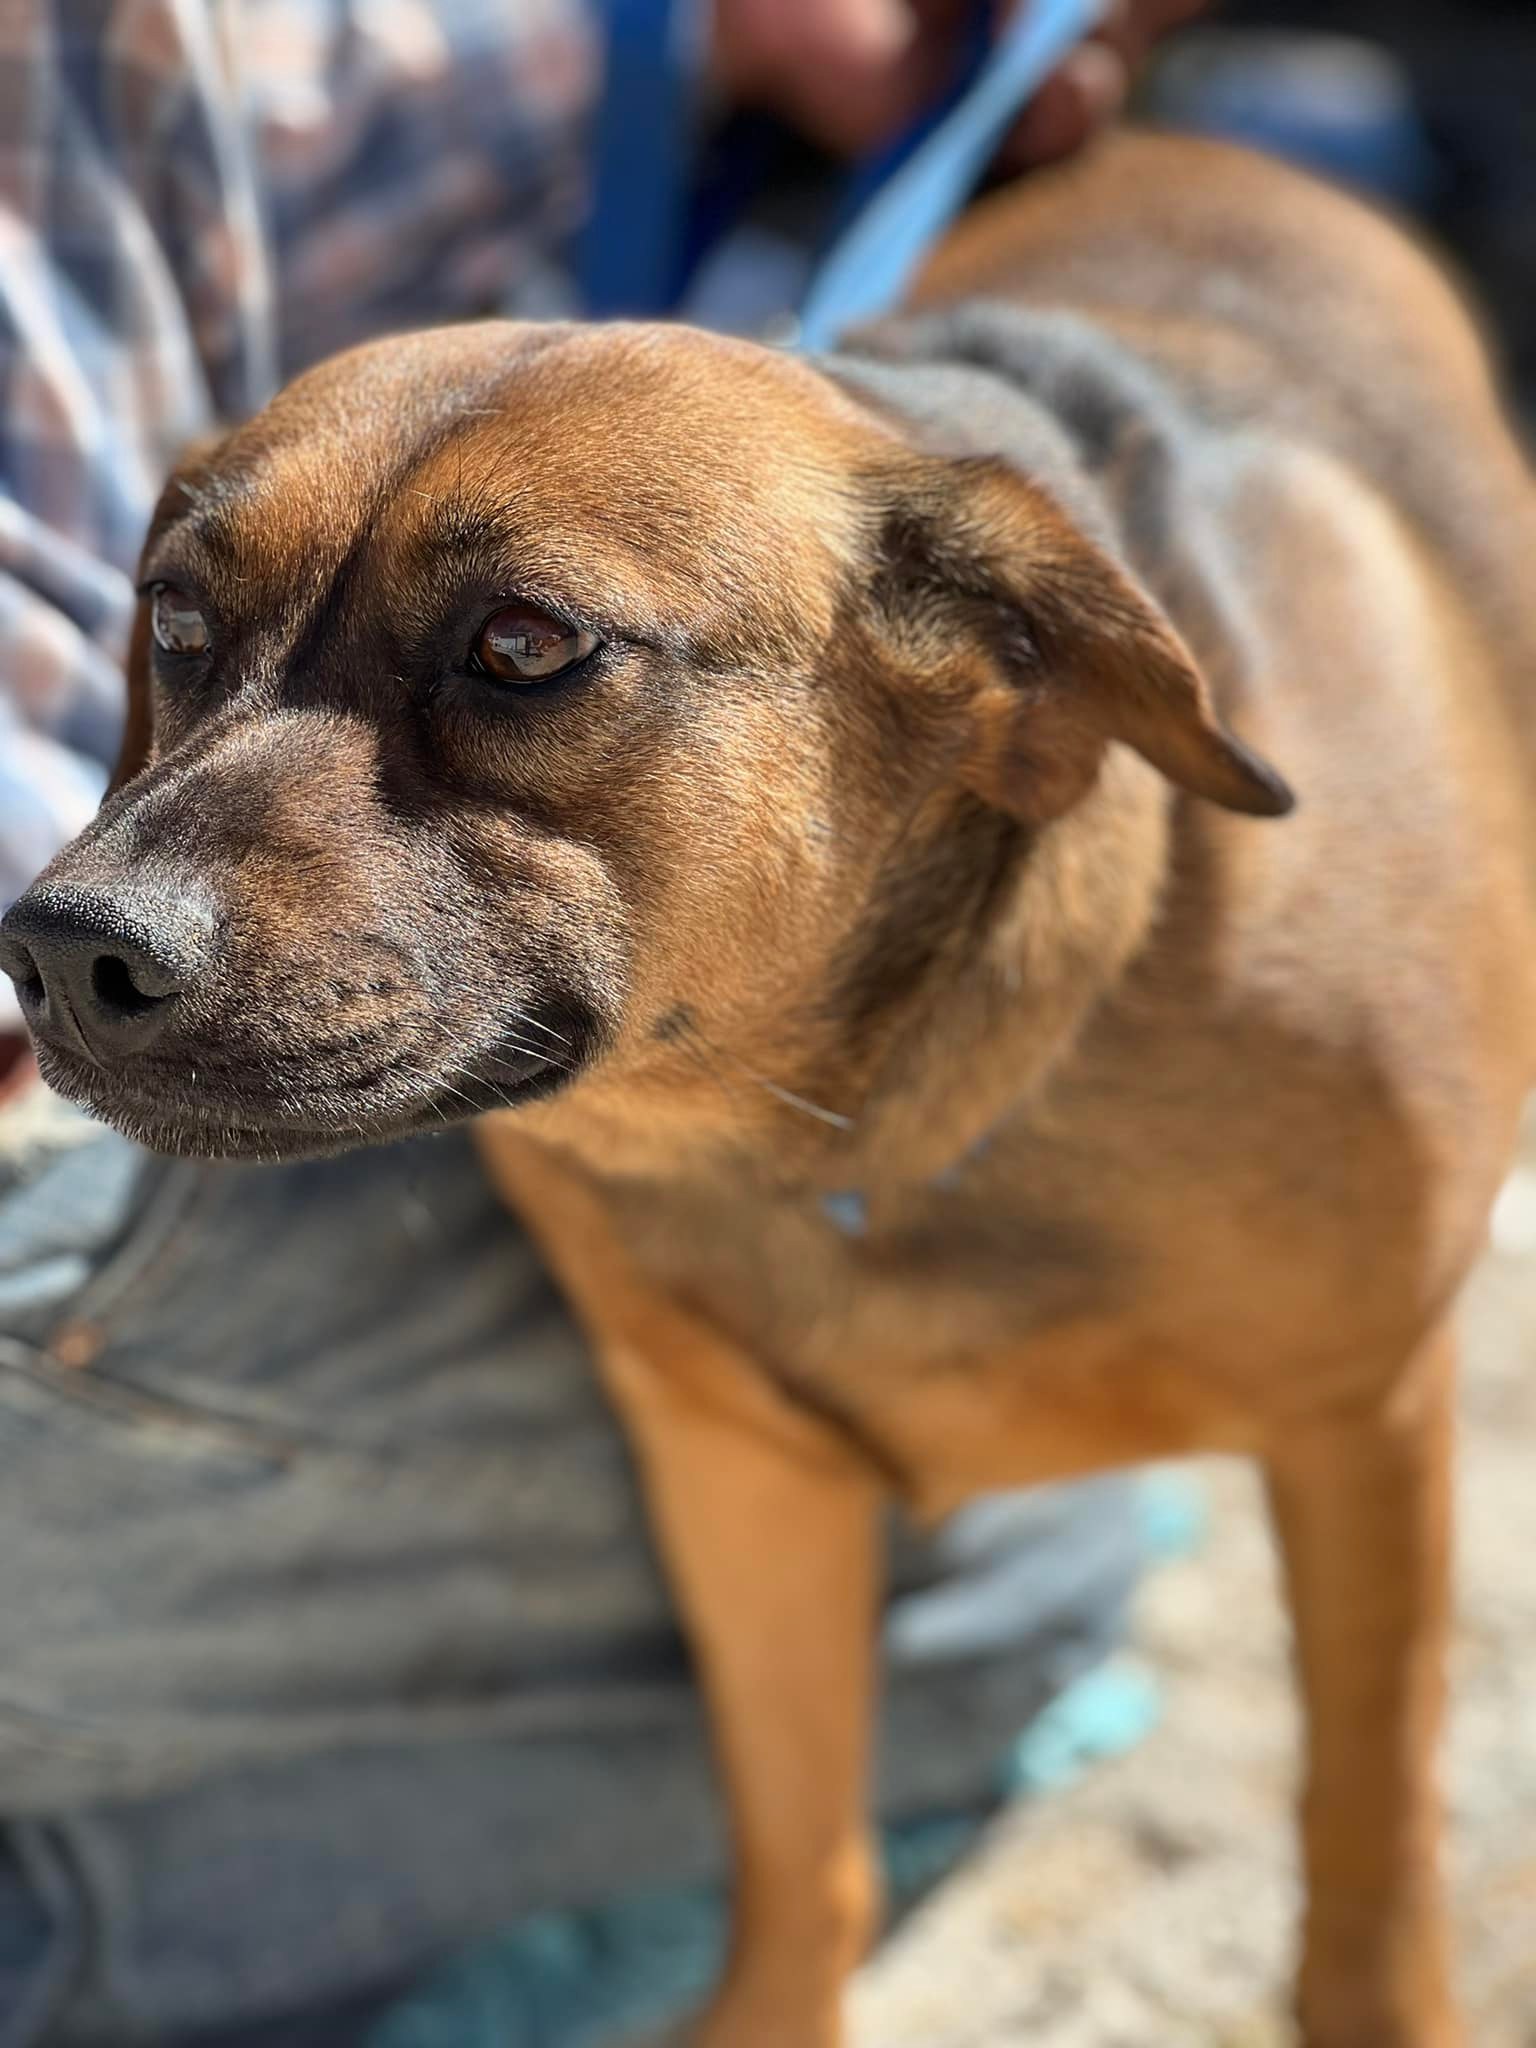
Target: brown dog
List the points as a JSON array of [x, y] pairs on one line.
[[775, 779]]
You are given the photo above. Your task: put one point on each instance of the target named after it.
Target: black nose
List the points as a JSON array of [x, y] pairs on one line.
[[99, 970]]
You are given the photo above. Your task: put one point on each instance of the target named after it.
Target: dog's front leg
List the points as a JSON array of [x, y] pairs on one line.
[[769, 1528], [1363, 1509], [772, 1552]]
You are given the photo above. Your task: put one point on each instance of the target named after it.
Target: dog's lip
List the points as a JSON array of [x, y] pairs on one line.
[[234, 1129]]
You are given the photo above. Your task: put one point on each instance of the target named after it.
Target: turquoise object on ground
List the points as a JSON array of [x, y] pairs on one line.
[[590, 1979], [1173, 1513], [584, 1980], [1105, 1714]]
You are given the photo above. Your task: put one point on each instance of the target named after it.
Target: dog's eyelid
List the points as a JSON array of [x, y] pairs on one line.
[[618, 617], [612, 631], [160, 573], [180, 545]]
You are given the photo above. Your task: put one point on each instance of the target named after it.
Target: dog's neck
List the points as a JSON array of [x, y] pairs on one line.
[[921, 1037], [1039, 925], [1039, 929]]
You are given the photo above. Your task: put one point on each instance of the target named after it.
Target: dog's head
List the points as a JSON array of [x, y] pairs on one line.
[[507, 700]]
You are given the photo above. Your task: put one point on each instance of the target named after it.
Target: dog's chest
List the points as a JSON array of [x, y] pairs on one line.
[[805, 1270], [855, 1296], [965, 1343]]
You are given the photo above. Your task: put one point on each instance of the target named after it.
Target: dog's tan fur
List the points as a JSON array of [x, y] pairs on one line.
[[885, 870]]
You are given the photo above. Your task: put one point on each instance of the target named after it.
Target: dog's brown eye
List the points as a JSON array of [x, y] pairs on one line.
[[177, 624], [521, 645]]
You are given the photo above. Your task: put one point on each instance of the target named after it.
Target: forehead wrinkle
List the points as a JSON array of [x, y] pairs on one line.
[[332, 612], [453, 542], [450, 523], [292, 503], [278, 540], [706, 551]]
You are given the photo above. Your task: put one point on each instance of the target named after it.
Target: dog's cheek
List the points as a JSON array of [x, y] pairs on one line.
[[537, 917]]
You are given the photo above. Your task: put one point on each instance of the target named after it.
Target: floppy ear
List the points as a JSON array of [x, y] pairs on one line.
[[139, 724], [1075, 654]]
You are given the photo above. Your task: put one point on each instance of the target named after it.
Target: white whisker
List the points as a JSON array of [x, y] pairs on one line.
[[787, 1096], [535, 1052], [526, 1019]]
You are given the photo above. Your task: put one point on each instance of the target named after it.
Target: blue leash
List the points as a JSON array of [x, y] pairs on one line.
[[633, 257], [869, 268]]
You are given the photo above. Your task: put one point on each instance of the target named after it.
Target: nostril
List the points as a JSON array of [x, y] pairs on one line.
[[114, 987]]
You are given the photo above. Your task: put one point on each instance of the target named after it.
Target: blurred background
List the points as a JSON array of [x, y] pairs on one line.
[[1429, 103], [1428, 106]]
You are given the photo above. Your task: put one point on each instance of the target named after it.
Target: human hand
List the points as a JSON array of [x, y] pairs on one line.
[[851, 73]]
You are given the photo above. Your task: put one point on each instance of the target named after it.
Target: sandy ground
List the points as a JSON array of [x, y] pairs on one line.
[[1152, 1905]]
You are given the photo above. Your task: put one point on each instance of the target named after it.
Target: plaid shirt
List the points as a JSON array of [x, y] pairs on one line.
[[197, 197]]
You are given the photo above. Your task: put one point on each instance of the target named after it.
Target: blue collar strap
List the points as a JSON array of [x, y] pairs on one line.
[[633, 256]]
